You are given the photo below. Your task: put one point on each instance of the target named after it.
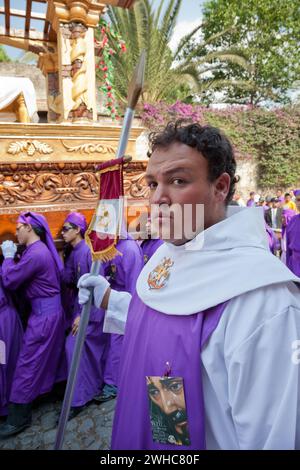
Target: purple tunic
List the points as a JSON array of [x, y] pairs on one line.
[[293, 245], [90, 374], [151, 340], [149, 247], [11, 334], [122, 273], [43, 339]]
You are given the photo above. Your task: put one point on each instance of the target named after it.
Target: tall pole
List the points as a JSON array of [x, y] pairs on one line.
[[134, 91]]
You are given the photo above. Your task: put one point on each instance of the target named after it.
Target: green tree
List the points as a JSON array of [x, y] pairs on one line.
[[269, 33], [169, 75], [3, 56]]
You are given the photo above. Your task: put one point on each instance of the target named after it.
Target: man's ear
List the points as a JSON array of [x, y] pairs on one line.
[[222, 186]]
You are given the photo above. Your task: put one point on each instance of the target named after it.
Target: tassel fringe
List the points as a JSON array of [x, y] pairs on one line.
[[106, 255]]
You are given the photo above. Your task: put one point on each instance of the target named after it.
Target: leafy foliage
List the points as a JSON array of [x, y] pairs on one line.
[[271, 138], [269, 33], [3, 56], [169, 75], [109, 43]]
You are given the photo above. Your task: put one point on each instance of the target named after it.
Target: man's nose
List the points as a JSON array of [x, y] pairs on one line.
[[160, 195], [168, 404]]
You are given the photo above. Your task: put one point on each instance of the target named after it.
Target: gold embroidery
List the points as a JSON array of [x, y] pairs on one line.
[[158, 278]]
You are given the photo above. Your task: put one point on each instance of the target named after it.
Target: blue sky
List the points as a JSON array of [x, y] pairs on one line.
[[189, 16], [190, 9]]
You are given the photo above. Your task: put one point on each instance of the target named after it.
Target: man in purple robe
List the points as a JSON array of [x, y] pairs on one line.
[[251, 200], [121, 273], [287, 215], [39, 269], [293, 239], [11, 335], [273, 241], [207, 358], [90, 373]]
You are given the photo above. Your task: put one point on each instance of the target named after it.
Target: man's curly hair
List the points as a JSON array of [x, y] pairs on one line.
[[213, 145]]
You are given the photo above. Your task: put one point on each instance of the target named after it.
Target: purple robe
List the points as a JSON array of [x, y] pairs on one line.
[[11, 334], [122, 273], [293, 245], [90, 373], [149, 247], [250, 203], [69, 289], [153, 339], [43, 339], [272, 239]]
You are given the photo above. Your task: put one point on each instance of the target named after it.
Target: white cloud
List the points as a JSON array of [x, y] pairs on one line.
[[182, 29]]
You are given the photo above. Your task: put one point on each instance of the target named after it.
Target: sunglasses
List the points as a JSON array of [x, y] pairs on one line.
[[66, 228]]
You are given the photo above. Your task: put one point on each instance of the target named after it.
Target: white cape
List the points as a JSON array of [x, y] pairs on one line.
[[233, 258]]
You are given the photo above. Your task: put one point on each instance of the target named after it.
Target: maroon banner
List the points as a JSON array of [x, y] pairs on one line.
[[102, 234]]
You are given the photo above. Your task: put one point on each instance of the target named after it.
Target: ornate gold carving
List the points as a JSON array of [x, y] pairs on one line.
[[135, 185], [79, 75], [90, 148], [29, 146], [47, 188], [60, 183], [18, 106]]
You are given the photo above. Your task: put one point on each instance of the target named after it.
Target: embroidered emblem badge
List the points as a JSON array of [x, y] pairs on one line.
[[158, 278]]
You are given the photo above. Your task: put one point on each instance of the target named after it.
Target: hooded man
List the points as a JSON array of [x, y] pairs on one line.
[[11, 334], [293, 239], [39, 270], [90, 374], [214, 311]]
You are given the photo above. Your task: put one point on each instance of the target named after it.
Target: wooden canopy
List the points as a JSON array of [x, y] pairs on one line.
[[45, 32]]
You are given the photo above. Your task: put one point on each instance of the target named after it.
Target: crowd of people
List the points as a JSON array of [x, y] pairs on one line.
[[39, 340], [204, 358], [279, 211]]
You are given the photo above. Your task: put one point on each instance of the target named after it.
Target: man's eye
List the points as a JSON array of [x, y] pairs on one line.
[[152, 185], [154, 392], [175, 387], [178, 181]]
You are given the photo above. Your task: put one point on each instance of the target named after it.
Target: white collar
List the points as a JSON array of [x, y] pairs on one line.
[[226, 260]]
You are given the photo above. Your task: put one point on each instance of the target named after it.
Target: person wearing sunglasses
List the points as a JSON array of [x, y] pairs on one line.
[[293, 239], [78, 262], [38, 270]]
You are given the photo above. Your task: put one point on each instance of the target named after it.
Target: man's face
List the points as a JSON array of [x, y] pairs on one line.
[[287, 198], [22, 233], [69, 233], [178, 181], [168, 394], [297, 201]]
